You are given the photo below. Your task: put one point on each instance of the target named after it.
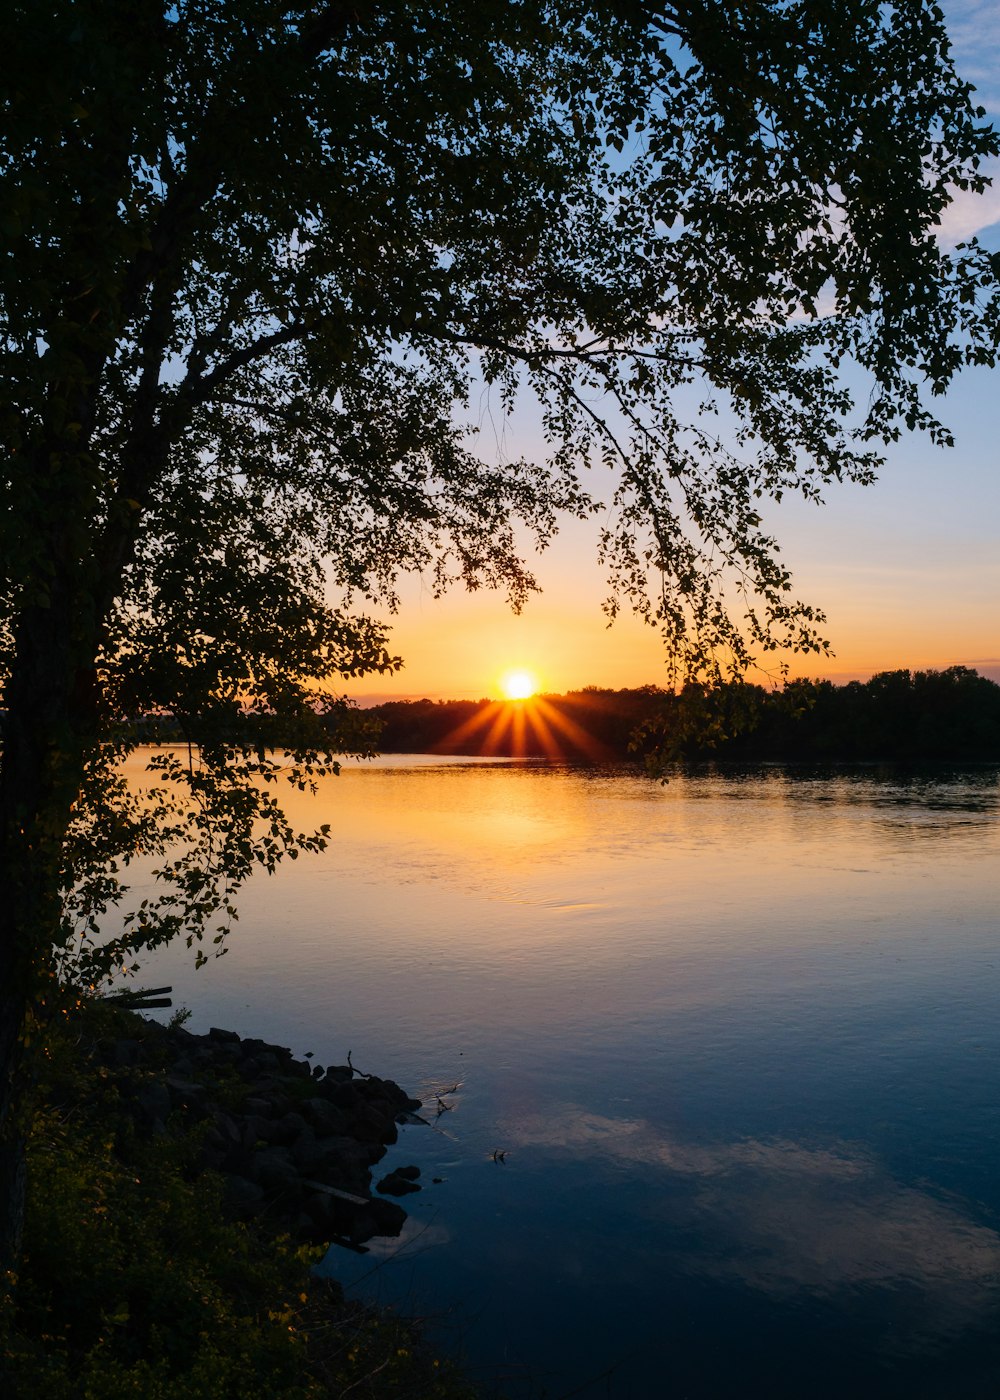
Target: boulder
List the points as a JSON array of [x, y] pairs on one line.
[[241, 1198], [273, 1169], [152, 1099], [325, 1117], [396, 1184]]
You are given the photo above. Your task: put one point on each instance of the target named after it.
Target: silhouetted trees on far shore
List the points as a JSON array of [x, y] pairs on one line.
[[909, 716]]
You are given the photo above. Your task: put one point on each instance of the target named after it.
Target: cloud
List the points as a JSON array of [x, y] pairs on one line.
[[969, 214], [783, 1217], [974, 29]]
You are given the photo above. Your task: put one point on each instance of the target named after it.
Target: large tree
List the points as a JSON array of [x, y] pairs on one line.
[[260, 258]]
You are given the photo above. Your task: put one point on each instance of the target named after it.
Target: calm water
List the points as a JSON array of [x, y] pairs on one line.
[[738, 1037]]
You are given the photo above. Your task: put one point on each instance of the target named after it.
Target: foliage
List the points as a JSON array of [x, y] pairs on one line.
[[261, 262], [210, 811], [132, 1283]]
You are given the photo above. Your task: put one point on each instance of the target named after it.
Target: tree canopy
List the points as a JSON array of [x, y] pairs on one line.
[[260, 262]]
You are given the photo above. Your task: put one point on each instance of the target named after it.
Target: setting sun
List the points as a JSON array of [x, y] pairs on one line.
[[518, 685]]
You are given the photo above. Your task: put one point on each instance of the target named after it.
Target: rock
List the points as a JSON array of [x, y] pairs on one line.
[[385, 1091], [258, 1128], [287, 1129], [343, 1161], [213, 1140], [225, 1037], [328, 1216], [229, 1131], [185, 1090], [341, 1092], [153, 1101], [243, 1199], [325, 1117], [396, 1184], [317, 1205], [259, 1106], [274, 1170], [278, 1132], [373, 1123], [271, 1092], [389, 1218], [339, 1073], [306, 1153]]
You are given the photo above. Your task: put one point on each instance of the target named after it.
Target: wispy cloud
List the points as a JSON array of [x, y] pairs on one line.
[[969, 214], [974, 27], [786, 1217]]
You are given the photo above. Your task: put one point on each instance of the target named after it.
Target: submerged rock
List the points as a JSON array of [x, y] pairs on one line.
[[400, 1182]]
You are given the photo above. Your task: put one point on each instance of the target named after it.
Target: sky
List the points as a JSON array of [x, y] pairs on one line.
[[907, 571]]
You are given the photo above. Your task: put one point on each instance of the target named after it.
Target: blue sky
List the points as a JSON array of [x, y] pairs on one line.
[[908, 571]]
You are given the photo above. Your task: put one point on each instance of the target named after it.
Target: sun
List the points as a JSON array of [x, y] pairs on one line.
[[518, 685]]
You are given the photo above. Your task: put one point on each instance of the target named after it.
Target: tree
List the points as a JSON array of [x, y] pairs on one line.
[[259, 257]]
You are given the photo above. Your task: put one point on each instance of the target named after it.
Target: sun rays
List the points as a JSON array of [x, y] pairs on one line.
[[524, 725]]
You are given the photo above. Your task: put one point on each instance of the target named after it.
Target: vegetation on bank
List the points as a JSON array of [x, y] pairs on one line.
[[896, 716], [134, 1283]]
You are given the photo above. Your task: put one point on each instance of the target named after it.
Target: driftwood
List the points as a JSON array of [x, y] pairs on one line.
[[140, 998]]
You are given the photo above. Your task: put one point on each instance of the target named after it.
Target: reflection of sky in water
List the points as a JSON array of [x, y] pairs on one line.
[[783, 1217], [738, 1035]]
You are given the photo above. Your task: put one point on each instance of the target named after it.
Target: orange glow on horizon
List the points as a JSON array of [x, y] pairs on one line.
[[529, 727]]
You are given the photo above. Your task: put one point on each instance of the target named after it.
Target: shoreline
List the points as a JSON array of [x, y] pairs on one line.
[[181, 1191], [295, 1144]]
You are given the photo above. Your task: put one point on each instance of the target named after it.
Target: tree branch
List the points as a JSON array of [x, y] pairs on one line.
[[199, 389]]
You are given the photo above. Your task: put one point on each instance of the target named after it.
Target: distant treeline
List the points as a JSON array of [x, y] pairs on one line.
[[897, 715], [584, 724]]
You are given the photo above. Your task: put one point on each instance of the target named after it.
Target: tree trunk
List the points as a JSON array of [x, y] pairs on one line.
[[48, 705], [12, 1163]]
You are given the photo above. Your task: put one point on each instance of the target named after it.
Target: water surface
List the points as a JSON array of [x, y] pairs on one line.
[[718, 1065]]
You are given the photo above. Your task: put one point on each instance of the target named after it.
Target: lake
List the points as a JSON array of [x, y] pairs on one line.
[[718, 1065]]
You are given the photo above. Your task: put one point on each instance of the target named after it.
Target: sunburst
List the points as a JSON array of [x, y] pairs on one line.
[[518, 685], [525, 723]]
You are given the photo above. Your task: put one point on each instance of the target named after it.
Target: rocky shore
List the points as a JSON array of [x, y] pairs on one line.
[[180, 1189], [295, 1143]]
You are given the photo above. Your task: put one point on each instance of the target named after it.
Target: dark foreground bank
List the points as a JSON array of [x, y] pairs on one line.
[[181, 1188]]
